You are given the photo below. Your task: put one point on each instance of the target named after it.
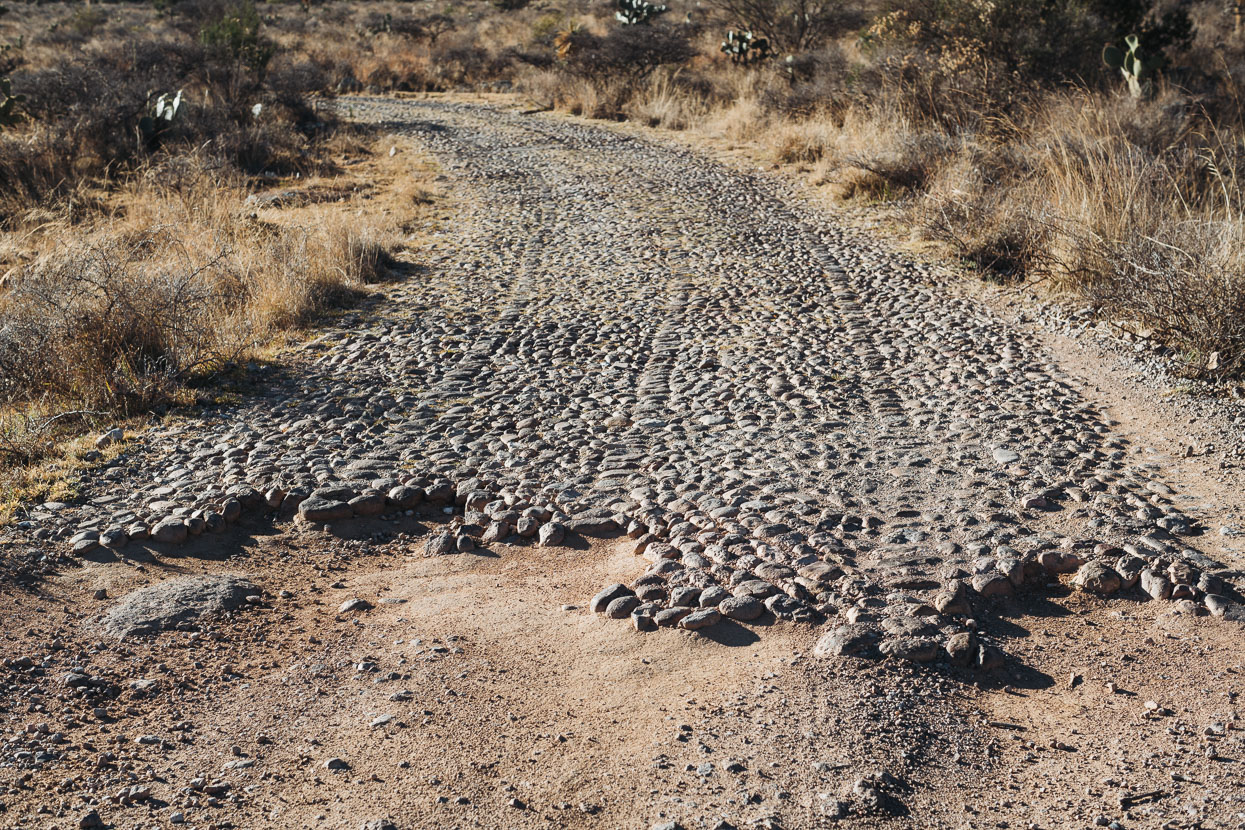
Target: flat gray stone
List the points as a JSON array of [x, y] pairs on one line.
[[621, 608], [912, 649], [592, 525], [319, 509], [1005, 456], [178, 602], [668, 617], [701, 619]]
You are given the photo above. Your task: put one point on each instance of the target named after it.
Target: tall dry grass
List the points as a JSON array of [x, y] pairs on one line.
[[1116, 202], [179, 284], [127, 315], [128, 264]]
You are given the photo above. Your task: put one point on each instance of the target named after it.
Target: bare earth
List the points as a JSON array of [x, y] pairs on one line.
[[477, 689]]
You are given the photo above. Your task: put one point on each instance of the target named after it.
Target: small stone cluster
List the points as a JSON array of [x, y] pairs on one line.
[[169, 523], [896, 623], [1115, 570]]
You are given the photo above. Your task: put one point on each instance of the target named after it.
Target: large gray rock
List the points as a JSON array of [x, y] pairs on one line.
[[846, 640], [703, 618], [176, 603], [172, 531], [440, 544], [1097, 578], [368, 504], [743, 609], [495, 532], [551, 535], [406, 498], [993, 584], [1155, 585], [621, 608]]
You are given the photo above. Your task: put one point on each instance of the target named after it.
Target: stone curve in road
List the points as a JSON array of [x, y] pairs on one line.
[[615, 329]]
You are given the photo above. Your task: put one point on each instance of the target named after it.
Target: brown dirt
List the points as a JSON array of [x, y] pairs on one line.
[[585, 721], [589, 724]]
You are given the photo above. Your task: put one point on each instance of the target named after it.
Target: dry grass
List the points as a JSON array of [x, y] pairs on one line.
[[179, 283], [1153, 238], [193, 282], [43, 456], [133, 270]]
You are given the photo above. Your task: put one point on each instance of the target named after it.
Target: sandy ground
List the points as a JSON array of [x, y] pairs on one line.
[[515, 712]]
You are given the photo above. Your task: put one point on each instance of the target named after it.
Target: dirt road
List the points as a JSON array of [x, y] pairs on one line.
[[872, 554]]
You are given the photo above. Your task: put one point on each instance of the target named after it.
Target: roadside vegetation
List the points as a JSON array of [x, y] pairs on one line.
[[1097, 146], [177, 196], [133, 269]]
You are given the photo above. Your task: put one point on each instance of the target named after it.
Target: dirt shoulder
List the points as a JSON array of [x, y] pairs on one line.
[[476, 691]]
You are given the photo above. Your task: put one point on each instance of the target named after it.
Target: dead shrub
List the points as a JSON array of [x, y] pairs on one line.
[[116, 324], [910, 163], [1183, 282], [368, 260], [627, 54]]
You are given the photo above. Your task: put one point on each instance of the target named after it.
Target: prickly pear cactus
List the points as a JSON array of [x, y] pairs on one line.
[[1137, 70], [744, 48], [161, 118], [634, 12], [9, 103]]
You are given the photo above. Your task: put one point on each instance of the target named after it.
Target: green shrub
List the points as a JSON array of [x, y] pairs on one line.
[[792, 25], [236, 34]]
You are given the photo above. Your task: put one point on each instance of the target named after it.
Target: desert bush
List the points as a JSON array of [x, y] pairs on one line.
[[791, 25], [1182, 282], [75, 28], [129, 271], [234, 35], [821, 83], [628, 53], [86, 116], [1129, 206], [114, 324], [123, 318], [425, 27]]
